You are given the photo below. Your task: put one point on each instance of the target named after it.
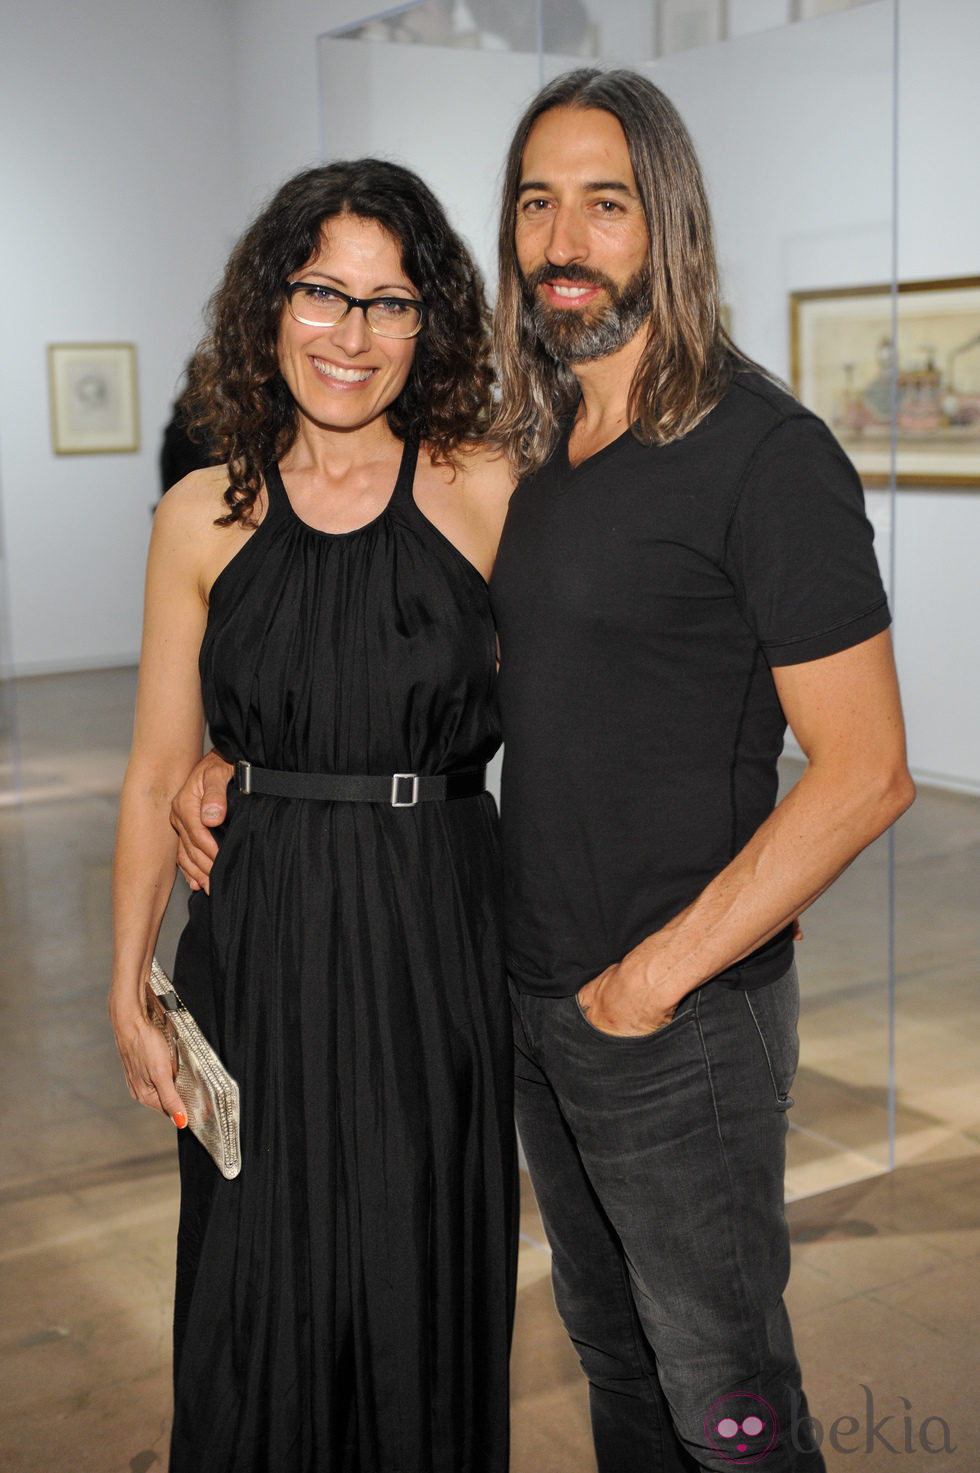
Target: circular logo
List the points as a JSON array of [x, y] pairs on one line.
[[742, 1428]]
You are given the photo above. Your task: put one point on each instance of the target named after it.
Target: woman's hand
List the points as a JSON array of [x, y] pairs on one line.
[[198, 807], [150, 1065]]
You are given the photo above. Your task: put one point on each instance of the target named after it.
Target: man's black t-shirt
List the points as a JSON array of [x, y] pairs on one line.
[[641, 599]]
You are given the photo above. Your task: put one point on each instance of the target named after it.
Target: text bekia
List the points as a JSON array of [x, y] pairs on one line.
[[895, 1432]]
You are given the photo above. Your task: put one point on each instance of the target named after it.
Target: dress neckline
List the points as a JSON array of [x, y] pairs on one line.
[[279, 501]]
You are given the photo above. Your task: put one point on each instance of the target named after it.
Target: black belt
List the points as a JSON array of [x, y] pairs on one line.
[[398, 790]]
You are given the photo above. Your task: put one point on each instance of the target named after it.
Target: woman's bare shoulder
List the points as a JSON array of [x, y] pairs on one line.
[[482, 471], [187, 536], [190, 505], [466, 500], [199, 493]]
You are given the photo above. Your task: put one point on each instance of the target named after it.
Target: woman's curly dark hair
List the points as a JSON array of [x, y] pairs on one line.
[[242, 401]]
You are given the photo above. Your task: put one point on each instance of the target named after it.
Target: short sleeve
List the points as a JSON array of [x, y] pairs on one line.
[[799, 550]]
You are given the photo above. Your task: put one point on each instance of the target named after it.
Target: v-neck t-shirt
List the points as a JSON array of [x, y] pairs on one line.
[[642, 598]]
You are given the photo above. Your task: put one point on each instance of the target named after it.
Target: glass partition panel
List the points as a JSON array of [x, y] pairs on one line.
[[937, 595], [10, 774], [791, 106]]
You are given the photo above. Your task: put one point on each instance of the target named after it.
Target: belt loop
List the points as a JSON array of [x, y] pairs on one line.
[[243, 775], [404, 777]]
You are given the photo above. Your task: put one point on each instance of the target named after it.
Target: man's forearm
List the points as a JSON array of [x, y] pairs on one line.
[[810, 839], [795, 855]]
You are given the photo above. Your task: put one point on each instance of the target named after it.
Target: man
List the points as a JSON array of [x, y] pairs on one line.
[[686, 566]]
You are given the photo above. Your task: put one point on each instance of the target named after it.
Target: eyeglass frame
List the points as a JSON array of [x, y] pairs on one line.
[[363, 302]]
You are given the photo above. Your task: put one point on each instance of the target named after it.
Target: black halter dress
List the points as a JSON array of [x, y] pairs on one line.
[[345, 1303]]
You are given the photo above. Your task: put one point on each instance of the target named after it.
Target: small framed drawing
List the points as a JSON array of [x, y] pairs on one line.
[[94, 408], [846, 366]]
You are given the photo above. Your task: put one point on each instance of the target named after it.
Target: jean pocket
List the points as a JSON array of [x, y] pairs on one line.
[[775, 1011], [684, 1009]]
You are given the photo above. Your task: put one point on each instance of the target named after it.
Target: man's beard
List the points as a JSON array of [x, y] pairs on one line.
[[572, 335]]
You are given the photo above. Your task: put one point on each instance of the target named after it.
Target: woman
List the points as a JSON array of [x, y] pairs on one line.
[[320, 601]]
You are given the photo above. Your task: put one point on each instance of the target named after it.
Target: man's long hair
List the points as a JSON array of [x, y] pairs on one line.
[[689, 359], [241, 399]]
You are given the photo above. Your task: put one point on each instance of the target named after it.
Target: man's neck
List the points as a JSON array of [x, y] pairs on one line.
[[603, 413]]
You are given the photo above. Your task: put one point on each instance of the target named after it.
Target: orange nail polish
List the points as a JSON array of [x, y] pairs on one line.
[[180, 1119]]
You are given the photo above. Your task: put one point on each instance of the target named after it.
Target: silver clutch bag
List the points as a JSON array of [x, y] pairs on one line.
[[203, 1082]]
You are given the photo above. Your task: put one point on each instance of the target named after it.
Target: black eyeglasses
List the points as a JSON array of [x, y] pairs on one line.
[[324, 306]]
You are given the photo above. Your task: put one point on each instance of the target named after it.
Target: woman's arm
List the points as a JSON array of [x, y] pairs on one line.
[[167, 739]]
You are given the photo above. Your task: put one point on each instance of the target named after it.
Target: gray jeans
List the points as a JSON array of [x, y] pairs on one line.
[[658, 1166]]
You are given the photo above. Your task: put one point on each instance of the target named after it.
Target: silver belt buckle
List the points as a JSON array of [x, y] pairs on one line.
[[404, 777], [243, 775]]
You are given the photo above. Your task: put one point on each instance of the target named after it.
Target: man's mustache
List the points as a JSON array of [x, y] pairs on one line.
[[571, 272]]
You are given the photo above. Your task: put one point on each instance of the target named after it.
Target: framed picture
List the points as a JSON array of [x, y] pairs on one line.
[[94, 409], [846, 366]]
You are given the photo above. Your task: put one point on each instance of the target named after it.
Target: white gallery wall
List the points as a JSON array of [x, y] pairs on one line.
[[160, 127], [937, 534], [116, 180]]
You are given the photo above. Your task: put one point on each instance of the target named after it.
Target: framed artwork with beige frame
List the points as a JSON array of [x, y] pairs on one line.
[[94, 406], [848, 368]]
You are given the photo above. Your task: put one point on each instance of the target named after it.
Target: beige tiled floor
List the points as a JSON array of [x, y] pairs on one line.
[[884, 1290]]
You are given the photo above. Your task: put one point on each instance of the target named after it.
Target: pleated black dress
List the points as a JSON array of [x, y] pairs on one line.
[[345, 1303]]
